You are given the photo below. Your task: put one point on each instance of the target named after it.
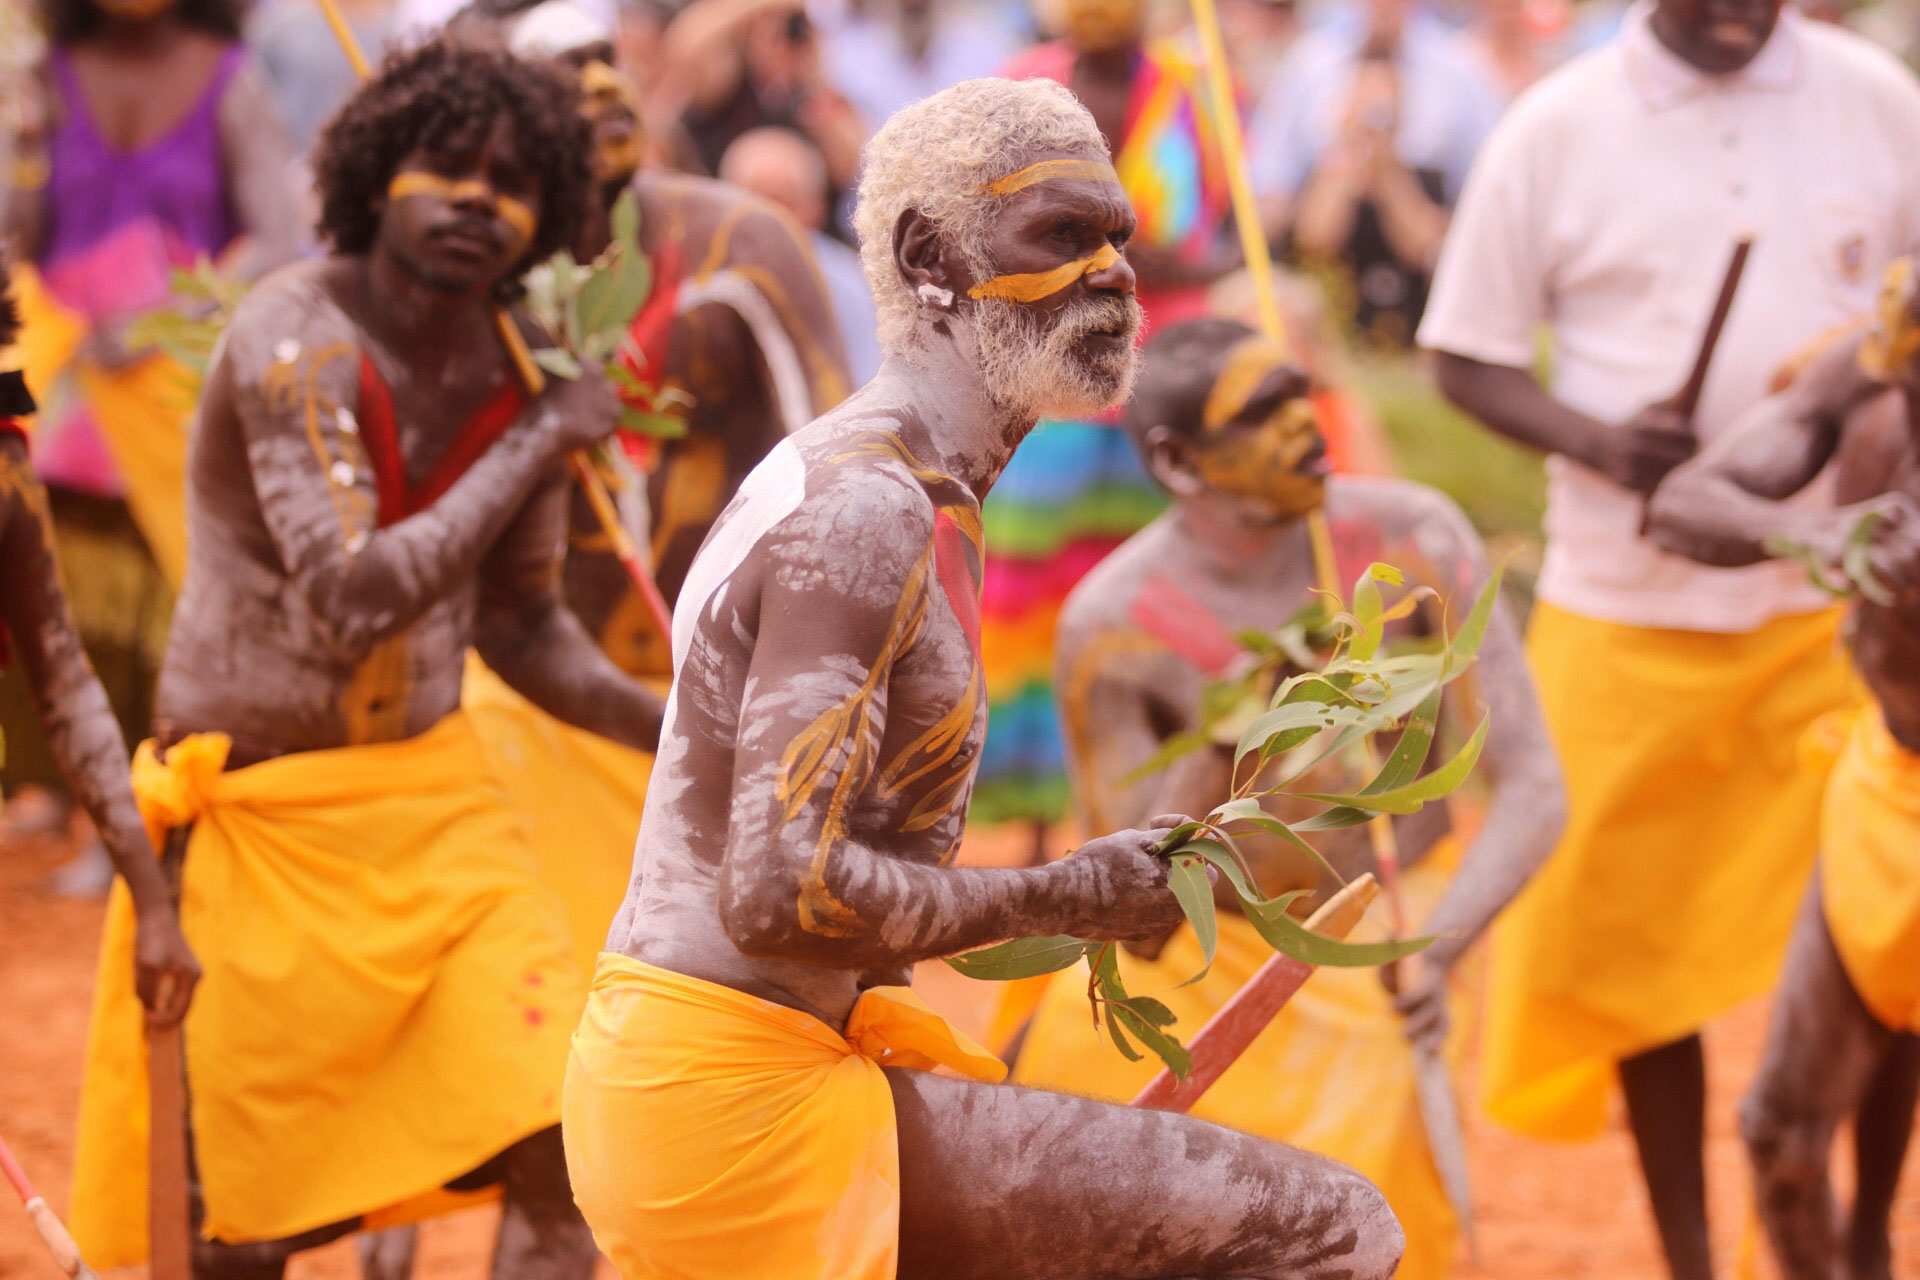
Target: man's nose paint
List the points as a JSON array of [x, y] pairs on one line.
[[1032, 286], [415, 182]]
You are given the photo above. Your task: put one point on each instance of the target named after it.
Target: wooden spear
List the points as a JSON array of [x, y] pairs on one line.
[[1439, 1110], [624, 550], [53, 1232]]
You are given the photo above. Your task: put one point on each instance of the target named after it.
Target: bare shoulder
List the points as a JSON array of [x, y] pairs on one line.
[[738, 228], [291, 317], [1104, 598], [863, 526]]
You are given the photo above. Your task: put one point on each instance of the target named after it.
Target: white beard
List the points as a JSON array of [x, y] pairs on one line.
[[1037, 372]]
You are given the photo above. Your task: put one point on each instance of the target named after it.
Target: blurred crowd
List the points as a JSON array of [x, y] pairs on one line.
[[141, 136]]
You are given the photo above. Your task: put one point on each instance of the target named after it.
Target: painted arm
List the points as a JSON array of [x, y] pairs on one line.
[[316, 490], [536, 644], [768, 242], [1636, 454], [1723, 506], [1527, 805], [259, 163], [834, 613], [82, 730]]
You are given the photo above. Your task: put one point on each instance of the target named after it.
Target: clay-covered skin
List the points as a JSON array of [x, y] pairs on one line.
[[811, 787], [303, 625], [1124, 690], [1828, 1059], [714, 359], [81, 728]]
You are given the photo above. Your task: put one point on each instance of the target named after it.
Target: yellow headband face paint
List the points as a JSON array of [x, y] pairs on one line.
[[1049, 171], [1036, 285], [1895, 339], [1259, 462], [415, 182], [604, 90]]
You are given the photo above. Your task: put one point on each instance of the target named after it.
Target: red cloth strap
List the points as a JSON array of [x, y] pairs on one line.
[[398, 499]]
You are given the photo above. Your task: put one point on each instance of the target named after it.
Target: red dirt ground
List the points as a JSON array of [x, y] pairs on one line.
[[1545, 1212]]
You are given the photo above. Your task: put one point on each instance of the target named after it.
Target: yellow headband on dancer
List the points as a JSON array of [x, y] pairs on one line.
[[415, 182], [1248, 363], [1035, 285], [1895, 338], [1049, 171]]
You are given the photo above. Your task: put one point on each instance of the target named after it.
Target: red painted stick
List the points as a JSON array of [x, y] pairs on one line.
[[1240, 1020], [53, 1232]]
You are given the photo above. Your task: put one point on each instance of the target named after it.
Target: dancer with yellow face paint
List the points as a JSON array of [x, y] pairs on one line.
[[1076, 490], [1223, 421]]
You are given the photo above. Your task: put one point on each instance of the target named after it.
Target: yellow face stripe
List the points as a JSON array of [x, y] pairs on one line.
[[1049, 171], [1035, 285], [414, 182], [1247, 365]]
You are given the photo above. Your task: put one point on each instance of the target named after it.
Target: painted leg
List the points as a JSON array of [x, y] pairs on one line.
[[387, 1255], [542, 1235], [1666, 1092], [1882, 1130], [998, 1180], [1823, 1052]]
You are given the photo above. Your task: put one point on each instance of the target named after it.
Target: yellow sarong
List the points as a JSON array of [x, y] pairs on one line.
[[144, 412], [1333, 1074], [1689, 844], [711, 1133], [579, 795], [386, 999], [1870, 870]]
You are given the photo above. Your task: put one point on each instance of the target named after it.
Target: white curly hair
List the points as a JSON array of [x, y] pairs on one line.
[[936, 154]]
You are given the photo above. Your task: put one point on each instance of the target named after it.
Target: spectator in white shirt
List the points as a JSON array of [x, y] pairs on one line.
[[1603, 210]]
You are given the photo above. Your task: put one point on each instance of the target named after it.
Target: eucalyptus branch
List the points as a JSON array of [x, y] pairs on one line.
[[1855, 570], [1349, 692]]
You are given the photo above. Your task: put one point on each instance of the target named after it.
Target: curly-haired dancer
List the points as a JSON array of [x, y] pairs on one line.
[[371, 494]]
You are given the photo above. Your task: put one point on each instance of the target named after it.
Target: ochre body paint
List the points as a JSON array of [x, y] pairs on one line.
[[1895, 339], [1049, 171], [1263, 461]]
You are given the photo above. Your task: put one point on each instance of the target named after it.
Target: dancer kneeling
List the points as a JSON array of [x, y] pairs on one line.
[[745, 1095], [371, 493]]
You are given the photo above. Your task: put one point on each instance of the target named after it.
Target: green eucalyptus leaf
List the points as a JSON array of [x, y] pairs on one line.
[[1187, 877], [1174, 748], [1120, 1041], [626, 220], [1409, 798], [1022, 958], [1410, 753], [1338, 818], [1291, 938], [557, 362], [1465, 646], [1164, 1046], [1156, 1013]]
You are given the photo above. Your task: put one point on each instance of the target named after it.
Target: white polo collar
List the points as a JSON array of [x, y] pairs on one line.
[[1663, 80]]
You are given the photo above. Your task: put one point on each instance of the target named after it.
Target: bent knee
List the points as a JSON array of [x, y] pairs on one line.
[[1380, 1240], [1783, 1144]]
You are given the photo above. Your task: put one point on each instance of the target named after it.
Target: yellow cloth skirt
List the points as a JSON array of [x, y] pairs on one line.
[[711, 1133], [386, 1000], [1870, 870], [1690, 840], [1333, 1074], [579, 795], [145, 412]]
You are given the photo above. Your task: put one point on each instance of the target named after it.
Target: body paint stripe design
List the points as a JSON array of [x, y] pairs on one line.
[[1246, 366], [1048, 171], [1034, 285]]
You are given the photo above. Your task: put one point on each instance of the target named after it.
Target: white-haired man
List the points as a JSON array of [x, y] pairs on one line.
[[742, 1098]]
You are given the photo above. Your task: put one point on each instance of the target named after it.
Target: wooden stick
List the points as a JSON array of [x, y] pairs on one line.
[[1688, 401], [535, 382], [1239, 1021], [169, 1243], [53, 1232]]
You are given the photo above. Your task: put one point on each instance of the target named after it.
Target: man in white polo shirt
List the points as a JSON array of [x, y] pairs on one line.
[[1604, 208]]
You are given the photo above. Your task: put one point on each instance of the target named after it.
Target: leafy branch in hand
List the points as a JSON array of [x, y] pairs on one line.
[[1328, 709], [591, 308], [1855, 570], [188, 331]]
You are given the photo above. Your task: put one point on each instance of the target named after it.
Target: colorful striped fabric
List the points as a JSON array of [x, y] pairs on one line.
[[1075, 490]]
